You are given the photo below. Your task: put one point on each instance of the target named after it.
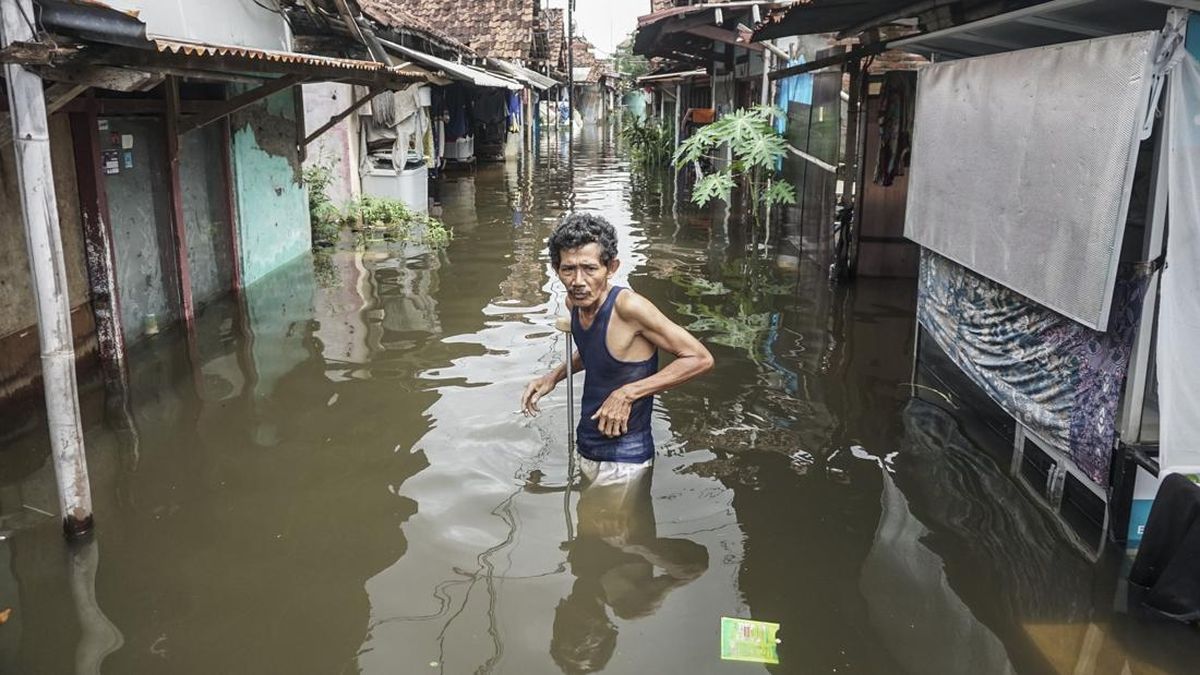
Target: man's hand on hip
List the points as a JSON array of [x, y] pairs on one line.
[[613, 416]]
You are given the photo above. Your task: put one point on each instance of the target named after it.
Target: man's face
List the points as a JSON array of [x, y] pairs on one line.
[[584, 275]]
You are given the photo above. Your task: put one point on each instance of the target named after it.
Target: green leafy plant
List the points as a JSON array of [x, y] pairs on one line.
[[757, 150], [650, 143], [325, 217], [391, 220]]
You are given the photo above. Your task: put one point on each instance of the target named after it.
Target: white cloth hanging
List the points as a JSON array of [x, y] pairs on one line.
[[1178, 362]]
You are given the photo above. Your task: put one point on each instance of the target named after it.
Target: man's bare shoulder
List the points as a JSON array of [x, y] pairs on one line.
[[634, 307]]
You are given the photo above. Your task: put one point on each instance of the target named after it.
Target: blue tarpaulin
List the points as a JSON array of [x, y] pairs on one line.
[[793, 89]]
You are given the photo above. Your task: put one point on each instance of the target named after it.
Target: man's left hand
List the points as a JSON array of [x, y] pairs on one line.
[[613, 416]]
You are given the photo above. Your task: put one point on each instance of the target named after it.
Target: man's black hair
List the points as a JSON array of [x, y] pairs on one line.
[[581, 229]]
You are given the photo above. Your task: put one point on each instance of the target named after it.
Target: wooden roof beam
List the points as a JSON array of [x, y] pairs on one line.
[[239, 102]]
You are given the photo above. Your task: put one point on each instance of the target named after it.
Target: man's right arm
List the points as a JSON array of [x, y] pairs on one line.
[[545, 384]]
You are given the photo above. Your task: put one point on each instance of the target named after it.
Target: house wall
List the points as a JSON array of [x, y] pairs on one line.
[[205, 213], [338, 146], [882, 250], [247, 23], [20, 365], [272, 205], [139, 211]]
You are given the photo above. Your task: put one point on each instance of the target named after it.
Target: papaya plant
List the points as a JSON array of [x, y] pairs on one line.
[[757, 150]]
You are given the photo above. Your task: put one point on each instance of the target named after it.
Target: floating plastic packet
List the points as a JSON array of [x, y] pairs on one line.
[[746, 640]]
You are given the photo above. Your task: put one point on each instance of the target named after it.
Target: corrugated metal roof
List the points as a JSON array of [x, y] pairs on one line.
[[174, 46], [458, 71]]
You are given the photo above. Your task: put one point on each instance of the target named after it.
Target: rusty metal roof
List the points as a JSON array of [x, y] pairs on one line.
[[203, 49]]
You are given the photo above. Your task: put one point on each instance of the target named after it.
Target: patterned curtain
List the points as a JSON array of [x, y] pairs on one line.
[[1057, 377]]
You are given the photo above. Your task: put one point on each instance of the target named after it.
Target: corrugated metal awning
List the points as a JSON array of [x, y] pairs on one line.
[[667, 77], [175, 46], [533, 78], [458, 71]]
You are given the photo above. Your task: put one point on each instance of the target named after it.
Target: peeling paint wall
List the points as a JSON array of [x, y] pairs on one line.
[[20, 364], [273, 223], [202, 183], [140, 215], [337, 148]]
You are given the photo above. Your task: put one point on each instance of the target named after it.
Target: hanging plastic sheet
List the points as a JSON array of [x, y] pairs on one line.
[[1022, 164], [792, 89], [1059, 378], [1179, 308]]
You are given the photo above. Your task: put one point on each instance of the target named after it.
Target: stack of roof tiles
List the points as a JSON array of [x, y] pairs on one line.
[[557, 37], [585, 57], [501, 29], [394, 14]]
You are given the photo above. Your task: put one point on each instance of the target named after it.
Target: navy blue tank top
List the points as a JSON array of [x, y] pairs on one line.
[[604, 374]]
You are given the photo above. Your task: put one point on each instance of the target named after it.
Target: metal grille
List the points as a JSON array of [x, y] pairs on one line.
[[1022, 165]]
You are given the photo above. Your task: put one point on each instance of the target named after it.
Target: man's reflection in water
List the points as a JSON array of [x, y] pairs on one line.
[[618, 562]]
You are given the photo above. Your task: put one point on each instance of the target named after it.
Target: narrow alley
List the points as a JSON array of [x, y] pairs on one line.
[[337, 478]]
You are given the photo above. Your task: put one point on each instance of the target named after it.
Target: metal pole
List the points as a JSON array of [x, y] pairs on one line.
[[571, 68], [678, 123], [43, 239]]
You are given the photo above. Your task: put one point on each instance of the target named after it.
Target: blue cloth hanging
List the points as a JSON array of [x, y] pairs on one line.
[[793, 89]]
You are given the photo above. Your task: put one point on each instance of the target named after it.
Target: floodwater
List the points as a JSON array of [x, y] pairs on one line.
[[333, 478]]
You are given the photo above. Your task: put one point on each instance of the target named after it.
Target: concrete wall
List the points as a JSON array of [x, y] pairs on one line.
[[337, 147], [17, 311], [273, 223], [140, 215], [205, 212], [248, 23], [20, 365]]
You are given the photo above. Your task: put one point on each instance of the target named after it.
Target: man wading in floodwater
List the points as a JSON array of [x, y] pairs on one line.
[[617, 337]]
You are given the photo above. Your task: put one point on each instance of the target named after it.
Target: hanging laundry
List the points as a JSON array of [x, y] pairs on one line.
[[897, 101], [792, 89], [514, 112]]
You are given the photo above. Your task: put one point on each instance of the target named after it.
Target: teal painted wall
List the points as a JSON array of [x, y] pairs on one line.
[[635, 102], [273, 222]]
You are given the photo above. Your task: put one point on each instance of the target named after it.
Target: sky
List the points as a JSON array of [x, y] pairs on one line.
[[605, 22]]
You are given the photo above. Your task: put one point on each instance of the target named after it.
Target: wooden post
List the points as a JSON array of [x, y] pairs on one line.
[[43, 239], [101, 260], [849, 178], [179, 226], [231, 214]]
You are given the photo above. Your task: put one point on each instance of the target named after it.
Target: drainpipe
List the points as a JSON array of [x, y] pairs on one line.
[[43, 238]]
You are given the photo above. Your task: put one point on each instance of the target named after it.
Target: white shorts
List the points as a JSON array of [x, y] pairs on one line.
[[608, 473]]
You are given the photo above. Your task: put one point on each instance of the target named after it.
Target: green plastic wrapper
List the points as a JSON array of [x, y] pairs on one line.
[[746, 640]]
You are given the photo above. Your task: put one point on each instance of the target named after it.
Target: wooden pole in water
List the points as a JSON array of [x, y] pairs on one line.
[[43, 239], [563, 324]]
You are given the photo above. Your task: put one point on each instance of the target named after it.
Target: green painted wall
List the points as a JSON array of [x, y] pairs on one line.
[[273, 222]]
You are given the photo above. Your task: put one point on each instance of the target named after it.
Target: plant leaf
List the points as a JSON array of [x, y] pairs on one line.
[[780, 192], [716, 185]]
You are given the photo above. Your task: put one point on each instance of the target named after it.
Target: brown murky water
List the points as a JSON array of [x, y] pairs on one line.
[[336, 480]]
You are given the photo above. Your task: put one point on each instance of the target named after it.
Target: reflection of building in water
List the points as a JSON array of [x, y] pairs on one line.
[[918, 615], [383, 300], [344, 306], [614, 560], [406, 289]]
